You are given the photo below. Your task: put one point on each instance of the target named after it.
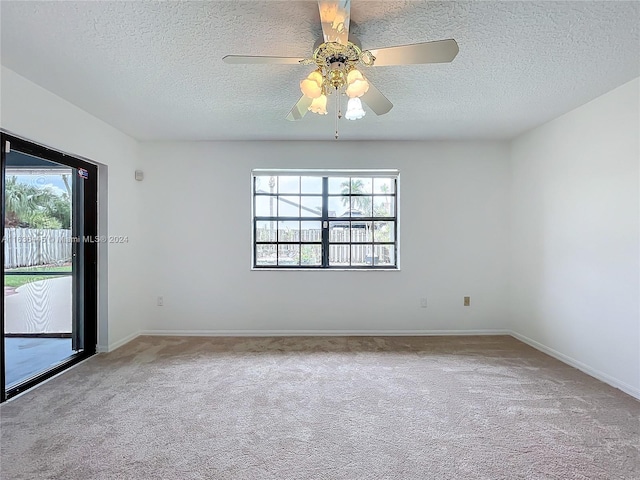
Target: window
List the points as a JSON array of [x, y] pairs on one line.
[[316, 219]]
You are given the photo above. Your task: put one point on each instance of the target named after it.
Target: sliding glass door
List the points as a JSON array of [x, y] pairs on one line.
[[48, 263]]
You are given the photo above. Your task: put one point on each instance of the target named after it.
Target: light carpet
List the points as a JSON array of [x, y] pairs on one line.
[[321, 408]]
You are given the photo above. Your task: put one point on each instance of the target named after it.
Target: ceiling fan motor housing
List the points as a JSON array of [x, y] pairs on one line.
[[336, 60], [331, 52]]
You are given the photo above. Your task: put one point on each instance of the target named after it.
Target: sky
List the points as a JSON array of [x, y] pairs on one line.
[[288, 202]]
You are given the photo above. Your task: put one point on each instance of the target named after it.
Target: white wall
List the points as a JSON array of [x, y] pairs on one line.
[[543, 234], [574, 245], [32, 112], [454, 242]]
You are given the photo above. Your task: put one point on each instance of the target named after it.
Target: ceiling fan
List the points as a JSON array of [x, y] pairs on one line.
[[337, 60]]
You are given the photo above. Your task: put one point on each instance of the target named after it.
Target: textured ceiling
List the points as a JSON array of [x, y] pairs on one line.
[[154, 69]]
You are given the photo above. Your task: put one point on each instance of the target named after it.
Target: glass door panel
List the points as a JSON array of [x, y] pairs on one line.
[[44, 264], [38, 266]]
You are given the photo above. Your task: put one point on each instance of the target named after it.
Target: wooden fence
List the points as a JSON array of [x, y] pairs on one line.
[[28, 247], [355, 235], [358, 253]]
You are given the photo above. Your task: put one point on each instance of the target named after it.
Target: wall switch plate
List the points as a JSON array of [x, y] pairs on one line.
[[467, 301], [423, 302], [160, 301]]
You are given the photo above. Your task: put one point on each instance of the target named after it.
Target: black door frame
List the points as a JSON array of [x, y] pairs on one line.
[[85, 246]]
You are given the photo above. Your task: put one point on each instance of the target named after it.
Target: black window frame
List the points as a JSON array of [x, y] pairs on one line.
[[326, 220], [85, 275]]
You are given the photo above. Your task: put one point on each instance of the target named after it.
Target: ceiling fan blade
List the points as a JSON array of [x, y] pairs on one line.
[[335, 16], [376, 101], [261, 59], [441, 51], [300, 109]]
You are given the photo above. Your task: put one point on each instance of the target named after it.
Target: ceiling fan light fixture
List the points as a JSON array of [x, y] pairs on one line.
[[319, 105], [354, 109], [357, 85], [337, 60], [311, 87]]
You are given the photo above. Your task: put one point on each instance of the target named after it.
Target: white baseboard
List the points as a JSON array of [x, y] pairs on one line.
[[603, 377], [112, 346], [319, 333]]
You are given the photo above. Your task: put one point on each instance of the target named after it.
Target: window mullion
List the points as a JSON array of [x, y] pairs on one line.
[[325, 222], [255, 225], [395, 222]]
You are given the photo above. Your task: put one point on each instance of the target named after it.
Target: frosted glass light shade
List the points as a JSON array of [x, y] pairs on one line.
[[311, 86], [354, 109], [357, 85], [319, 105]]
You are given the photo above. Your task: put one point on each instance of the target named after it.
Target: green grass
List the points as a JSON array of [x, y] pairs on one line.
[[16, 281]]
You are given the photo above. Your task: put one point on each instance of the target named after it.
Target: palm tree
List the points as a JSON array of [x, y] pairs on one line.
[[33, 207], [20, 198], [355, 187], [385, 209], [65, 179]]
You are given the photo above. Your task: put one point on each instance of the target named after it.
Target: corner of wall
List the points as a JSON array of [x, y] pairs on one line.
[[574, 259]]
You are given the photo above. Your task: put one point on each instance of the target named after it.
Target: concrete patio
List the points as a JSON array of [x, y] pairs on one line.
[[43, 306]]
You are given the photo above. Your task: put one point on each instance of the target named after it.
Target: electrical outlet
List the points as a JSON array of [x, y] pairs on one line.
[[160, 301], [467, 301], [423, 302]]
